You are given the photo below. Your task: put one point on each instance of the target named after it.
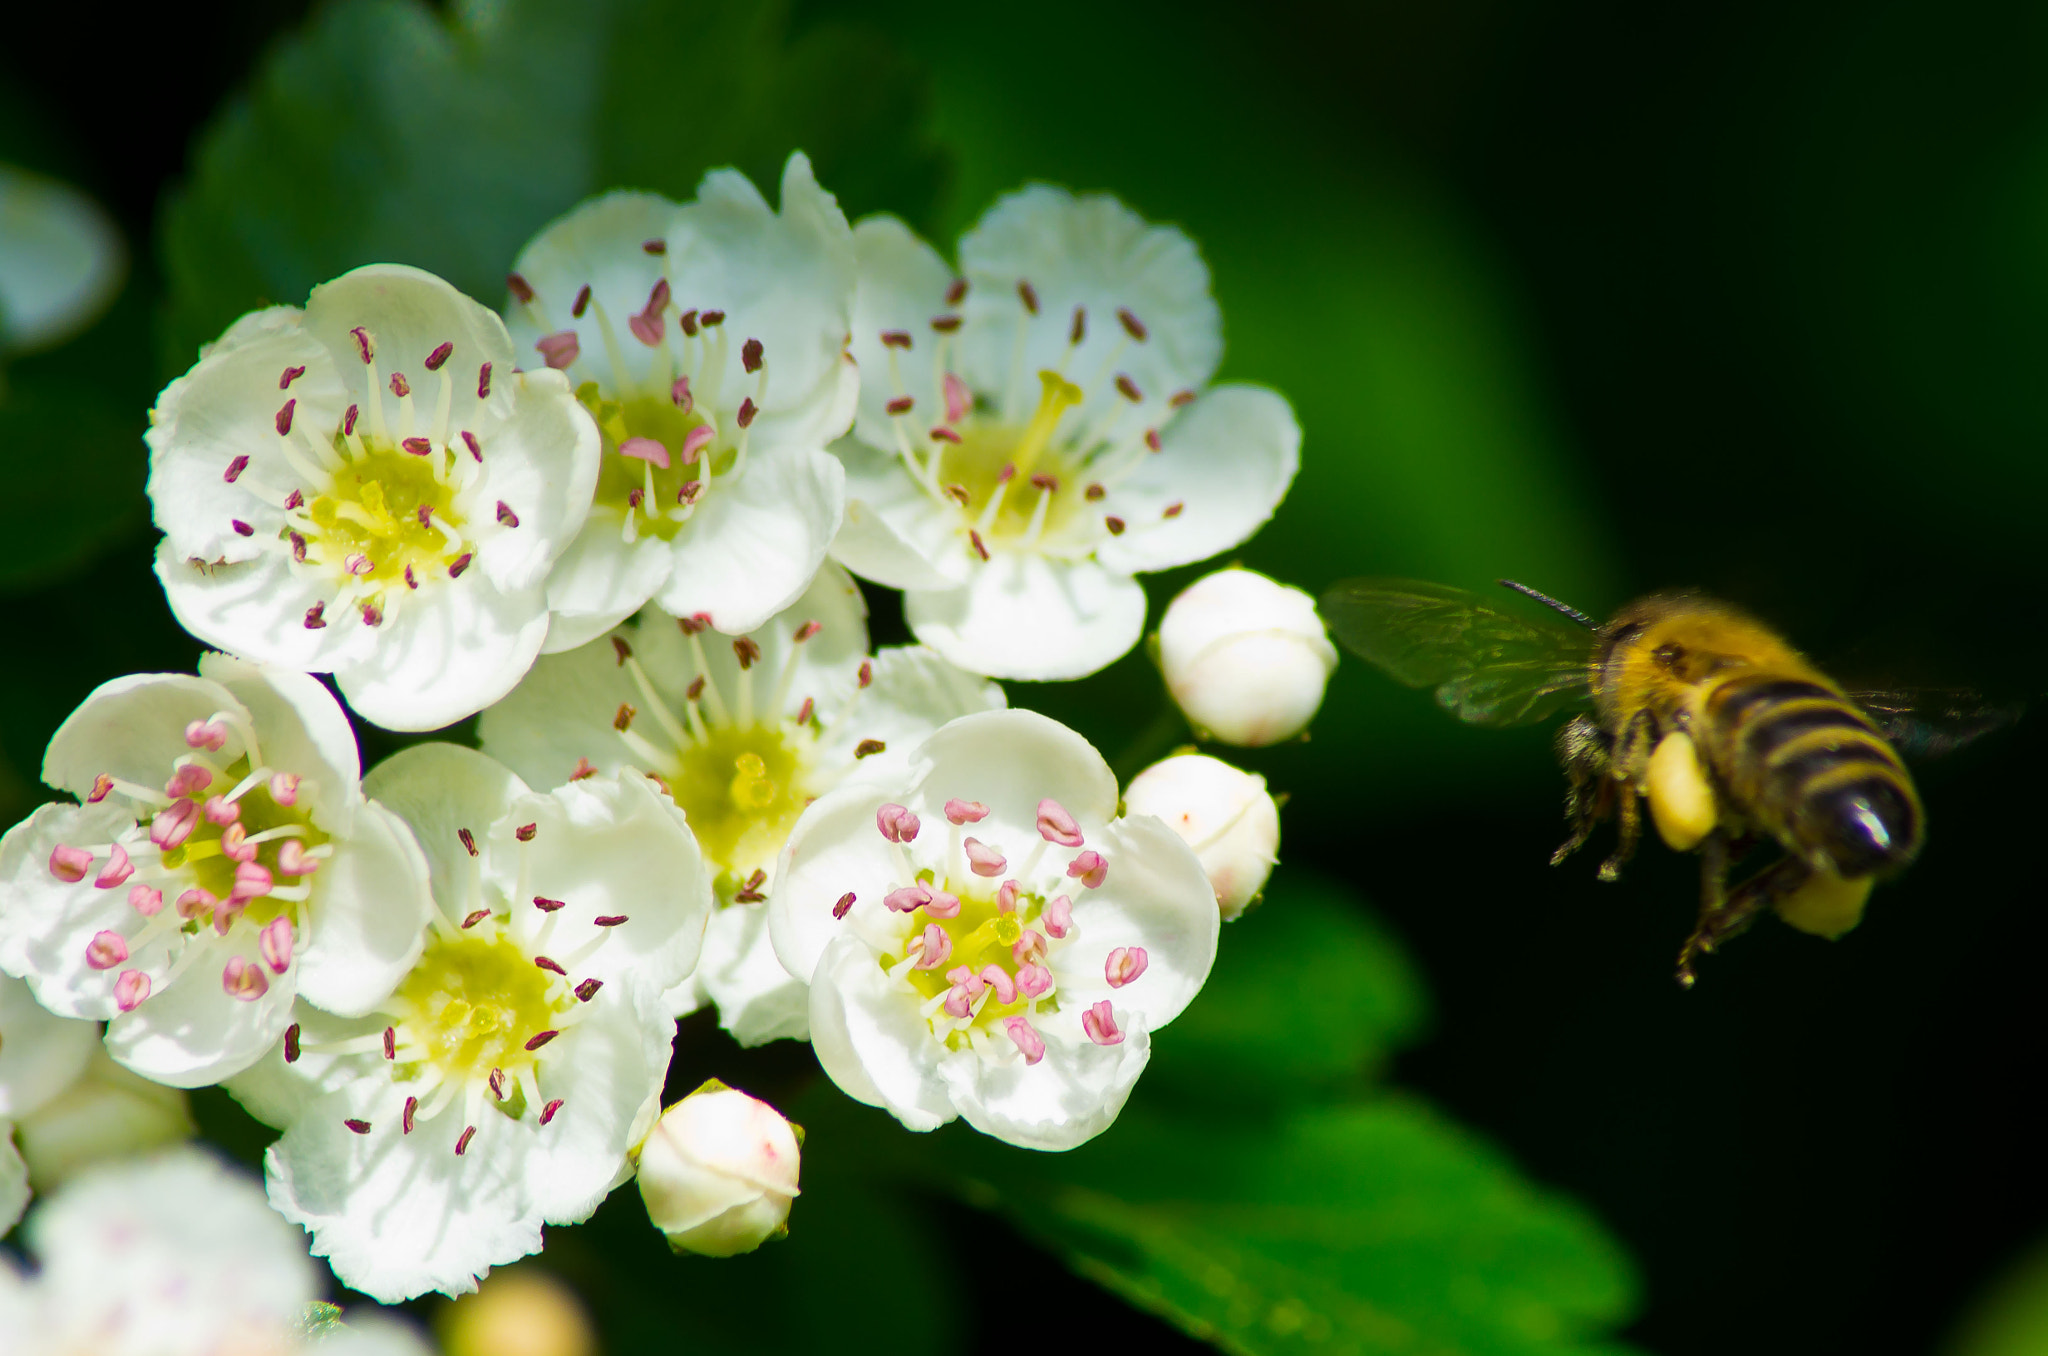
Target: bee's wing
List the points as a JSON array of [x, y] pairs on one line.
[[1930, 722], [1489, 666]]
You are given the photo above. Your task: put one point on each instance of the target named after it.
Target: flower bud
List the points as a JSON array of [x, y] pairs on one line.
[[718, 1172], [523, 1311], [1225, 815], [1245, 658]]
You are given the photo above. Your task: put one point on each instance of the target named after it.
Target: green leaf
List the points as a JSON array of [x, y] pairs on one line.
[[385, 133], [1362, 1229], [1311, 993]]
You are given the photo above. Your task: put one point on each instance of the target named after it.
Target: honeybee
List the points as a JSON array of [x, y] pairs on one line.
[[1729, 733]]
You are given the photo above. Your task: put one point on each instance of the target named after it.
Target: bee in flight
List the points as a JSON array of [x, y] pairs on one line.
[[1729, 733]]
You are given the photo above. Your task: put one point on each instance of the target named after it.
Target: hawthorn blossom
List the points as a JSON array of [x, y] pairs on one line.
[[1245, 657], [983, 939], [718, 1172], [41, 1054], [1224, 814], [222, 860], [708, 342], [369, 487], [503, 1082], [743, 732], [1036, 429]]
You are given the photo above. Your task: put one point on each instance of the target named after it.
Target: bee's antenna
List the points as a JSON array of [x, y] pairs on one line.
[[1550, 602]]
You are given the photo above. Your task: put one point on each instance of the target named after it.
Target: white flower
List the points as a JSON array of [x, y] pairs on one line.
[[718, 1172], [369, 487], [61, 261], [709, 343], [1245, 657], [1034, 432], [41, 1054], [107, 1113], [1223, 814], [503, 1082], [743, 732], [222, 861], [985, 940], [172, 1256]]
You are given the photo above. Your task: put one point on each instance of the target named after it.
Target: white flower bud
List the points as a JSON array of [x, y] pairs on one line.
[[718, 1172], [1245, 657], [1225, 815]]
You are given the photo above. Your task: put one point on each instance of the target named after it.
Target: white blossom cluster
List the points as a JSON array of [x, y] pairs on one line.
[[621, 521]]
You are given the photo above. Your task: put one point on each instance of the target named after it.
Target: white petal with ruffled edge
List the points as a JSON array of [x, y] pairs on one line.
[[442, 663], [756, 544], [1033, 617], [1061, 1102]]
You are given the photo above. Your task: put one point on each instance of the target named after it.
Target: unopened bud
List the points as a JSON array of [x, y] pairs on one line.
[[718, 1172], [1223, 814], [1245, 658]]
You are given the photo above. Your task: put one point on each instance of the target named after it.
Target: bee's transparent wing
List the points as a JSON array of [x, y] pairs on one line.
[[1932, 722], [1489, 666]]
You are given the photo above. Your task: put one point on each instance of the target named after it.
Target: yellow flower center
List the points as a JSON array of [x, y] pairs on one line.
[[370, 521], [1037, 482], [205, 854], [742, 788], [474, 1002], [630, 484]]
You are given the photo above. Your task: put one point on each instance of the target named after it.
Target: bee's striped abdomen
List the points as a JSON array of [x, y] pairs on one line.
[[1818, 773]]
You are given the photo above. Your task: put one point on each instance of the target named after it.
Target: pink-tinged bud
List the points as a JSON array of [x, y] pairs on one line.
[[1028, 948], [117, 870], [1245, 658], [909, 899], [997, 978], [102, 787], [983, 859], [220, 810], [965, 811], [559, 350], [174, 824], [679, 395], [244, 981], [1027, 1039], [844, 906], [1099, 1022], [1006, 896], [188, 780], [275, 942], [1125, 964], [252, 881], [146, 900], [718, 1172], [1034, 980], [942, 905], [1058, 918], [1225, 815], [106, 950], [897, 823], [130, 989], [292, 859], [645, 449], [959, 400], [935, 948], [235, 844], [1091, 868], [69, 863], [207, 734], [197, 902], [1055, 825]]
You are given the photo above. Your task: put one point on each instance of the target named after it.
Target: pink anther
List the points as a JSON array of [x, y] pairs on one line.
[[1125, 964], [292, 859], [106, 950], [935, 948], [242, 980], [69, 863], [1028, 948], [1034, 980], [220, 810], [174, 824], [897, 823], [1055, 825], [117, 870], [694, 443], [997, 978], [188, 780], [560, 349], [196, 903], [750, 355], [647, 327], [275, 942], [1099, 1022], [366, 347], [844, 906], [960, 999], [146, 900], [1058, 918], [1006, 896], [942, 905], [207, 734], [1027, 1039], [983, 859], [1091, 868], [679, 394], [909, 899], [226, 912], [959, 400], [235, 844], [645, 449], [102, 787], [130, 989], [744, 415], [965, 811], [252, 881]]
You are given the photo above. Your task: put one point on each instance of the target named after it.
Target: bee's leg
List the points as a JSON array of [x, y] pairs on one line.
[[1582, 747], [1631, 756], [1724, 918]]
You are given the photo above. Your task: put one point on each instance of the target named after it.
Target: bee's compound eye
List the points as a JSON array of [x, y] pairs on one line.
[[1681, 798]]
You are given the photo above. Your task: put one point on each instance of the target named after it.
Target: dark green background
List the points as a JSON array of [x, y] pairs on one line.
[[1746, 296]]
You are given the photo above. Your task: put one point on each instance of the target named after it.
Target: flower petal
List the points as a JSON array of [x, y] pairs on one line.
[[445, 657], [758, 1001], [302, 730], [46, 924], [409, 313], [133, 728], [595, 245], [1227, 460], [902, 287], [1156, 896], [1064, 1100], [892, 532], [370, 907], [914, 692], [832, 849], [754, 545], [192, 1032], [541, 460], [600, 581], [440, 790], [870, 1040], [258, 609], [1028, 616]]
